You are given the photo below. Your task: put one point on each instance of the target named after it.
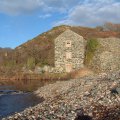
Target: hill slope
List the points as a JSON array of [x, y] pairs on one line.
[[40, 50]]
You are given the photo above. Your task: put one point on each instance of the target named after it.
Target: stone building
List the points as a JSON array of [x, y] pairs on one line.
[[69, 52]]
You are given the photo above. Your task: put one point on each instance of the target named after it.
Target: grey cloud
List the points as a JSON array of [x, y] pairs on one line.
[[93, 13], [23, 6], [19, 6], [79, 12]]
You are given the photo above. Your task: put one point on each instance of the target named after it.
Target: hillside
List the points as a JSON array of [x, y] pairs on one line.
[[40, 50]]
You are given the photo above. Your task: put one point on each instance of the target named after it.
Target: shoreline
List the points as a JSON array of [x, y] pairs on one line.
[[31, 82], [96, 99], [11, 103]]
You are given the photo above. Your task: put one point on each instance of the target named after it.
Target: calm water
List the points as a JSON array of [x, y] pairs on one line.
[[11, 101]]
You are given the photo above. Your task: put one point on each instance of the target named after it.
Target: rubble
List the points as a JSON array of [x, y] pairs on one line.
[[90, 94]]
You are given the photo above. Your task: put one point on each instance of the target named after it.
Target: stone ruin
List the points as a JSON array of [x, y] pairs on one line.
[[69, 52], [70, 48]]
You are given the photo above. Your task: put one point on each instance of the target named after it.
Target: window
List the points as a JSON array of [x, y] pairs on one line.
[[68, 43], [68, 55]]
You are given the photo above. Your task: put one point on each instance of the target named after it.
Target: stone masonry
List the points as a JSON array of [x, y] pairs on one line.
[[69, 52], [107, 56]]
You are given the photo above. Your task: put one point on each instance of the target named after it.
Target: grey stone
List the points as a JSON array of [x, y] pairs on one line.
[[107, 55], [118, 90], [69, 51]]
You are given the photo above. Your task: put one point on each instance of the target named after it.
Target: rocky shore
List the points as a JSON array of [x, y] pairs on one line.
[[90, 98]]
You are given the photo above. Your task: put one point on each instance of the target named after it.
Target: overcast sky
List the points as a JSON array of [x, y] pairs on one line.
[[22, 20]]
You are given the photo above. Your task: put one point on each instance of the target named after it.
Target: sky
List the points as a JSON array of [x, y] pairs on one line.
[[22, 20]]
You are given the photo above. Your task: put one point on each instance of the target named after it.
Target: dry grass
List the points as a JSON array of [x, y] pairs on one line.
[[41, 48], [30, 82], [81, 73]]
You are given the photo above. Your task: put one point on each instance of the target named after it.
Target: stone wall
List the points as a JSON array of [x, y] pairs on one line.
[[69, 52], [107, 56]]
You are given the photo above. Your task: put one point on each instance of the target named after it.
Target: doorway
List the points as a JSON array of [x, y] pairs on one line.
[[68, 67]]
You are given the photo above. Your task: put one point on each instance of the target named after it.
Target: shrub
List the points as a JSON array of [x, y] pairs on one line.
[[31, 63], [10, 63], [91, 47]]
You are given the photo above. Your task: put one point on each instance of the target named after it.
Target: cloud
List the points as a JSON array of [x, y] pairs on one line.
[[76, 12], [61, 5], [16, 7], [45, 16], [92, 13]]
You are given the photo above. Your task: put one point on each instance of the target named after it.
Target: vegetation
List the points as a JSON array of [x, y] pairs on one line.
[[31, 63], [39, 52], [30, 82], [108, 26], [91, 47], [41, 48]]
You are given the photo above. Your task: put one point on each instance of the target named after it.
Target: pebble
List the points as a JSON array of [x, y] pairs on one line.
[[96, 102]]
